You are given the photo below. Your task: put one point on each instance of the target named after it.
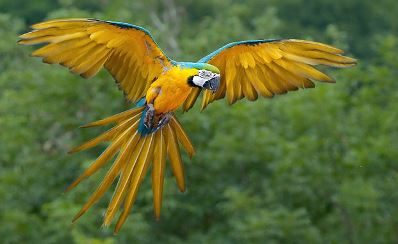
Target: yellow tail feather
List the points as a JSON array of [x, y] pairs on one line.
[[135, 154]]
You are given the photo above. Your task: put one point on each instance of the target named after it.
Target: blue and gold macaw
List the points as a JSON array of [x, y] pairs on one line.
[[149, 133]]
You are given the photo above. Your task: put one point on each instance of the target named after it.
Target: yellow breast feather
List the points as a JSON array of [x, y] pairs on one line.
[[172, 89]]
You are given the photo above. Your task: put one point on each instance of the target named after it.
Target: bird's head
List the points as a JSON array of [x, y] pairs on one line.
[[207, 77]]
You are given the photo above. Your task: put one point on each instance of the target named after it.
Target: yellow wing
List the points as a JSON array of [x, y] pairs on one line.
[[127, 51], [268, 67]]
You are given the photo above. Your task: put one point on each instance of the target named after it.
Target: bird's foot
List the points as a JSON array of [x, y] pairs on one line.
[[164, 119], [153, 121], [149, 116]]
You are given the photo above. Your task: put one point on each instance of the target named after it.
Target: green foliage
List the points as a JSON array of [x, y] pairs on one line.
[[315, 166]]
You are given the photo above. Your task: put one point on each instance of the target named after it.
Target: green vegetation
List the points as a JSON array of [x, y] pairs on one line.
[[314, 166]]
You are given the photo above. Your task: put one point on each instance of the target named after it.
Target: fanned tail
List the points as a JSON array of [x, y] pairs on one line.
[[135, 153]]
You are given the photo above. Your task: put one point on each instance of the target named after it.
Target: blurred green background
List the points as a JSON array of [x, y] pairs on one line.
[[314, 166]]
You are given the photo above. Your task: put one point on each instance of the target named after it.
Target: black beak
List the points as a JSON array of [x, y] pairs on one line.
[[212, 84]]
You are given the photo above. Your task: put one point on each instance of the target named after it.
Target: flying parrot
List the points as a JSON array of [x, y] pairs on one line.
[[149, 133]]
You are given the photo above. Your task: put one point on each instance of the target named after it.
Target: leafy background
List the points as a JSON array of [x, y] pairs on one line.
[[315, 166]]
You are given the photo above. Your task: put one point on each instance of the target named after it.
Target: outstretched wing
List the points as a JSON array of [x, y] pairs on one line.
[[127, 51], [268, 67]]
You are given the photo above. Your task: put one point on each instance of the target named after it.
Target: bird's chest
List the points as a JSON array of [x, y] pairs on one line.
[[172, 92]]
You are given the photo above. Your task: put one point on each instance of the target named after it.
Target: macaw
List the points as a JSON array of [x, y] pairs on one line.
[[149, 132]]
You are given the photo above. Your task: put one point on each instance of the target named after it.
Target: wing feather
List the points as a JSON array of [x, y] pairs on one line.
[[175, 157], [267, 67], [128, 52], [123, 184], [182, 137], [138, 174], [105, 156], [249, 91], [110, 175], [159, 162], [109, 134], [192, 97]]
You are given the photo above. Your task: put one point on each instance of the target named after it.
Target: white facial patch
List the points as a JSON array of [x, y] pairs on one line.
[[199, 81], [203, 76]]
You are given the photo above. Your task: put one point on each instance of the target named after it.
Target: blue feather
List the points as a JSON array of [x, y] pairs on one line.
[[141, 102], [191, 65], [142, 129]]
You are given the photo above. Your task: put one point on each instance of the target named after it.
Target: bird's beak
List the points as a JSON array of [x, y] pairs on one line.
[[212, 84]]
